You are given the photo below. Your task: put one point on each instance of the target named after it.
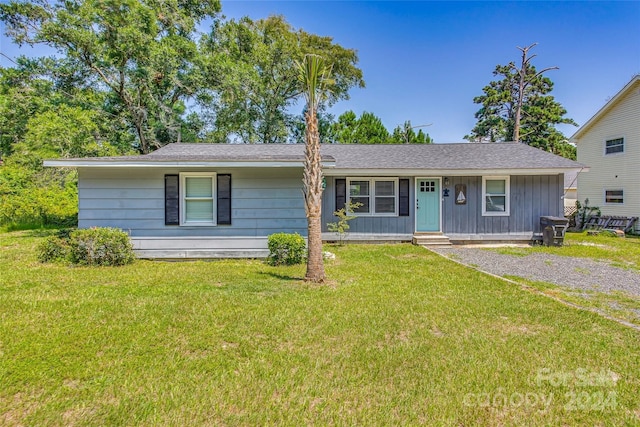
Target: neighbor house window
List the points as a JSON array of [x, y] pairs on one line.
[[612, 146], [377, 196], [614, 197], [198, 203], [495, 195]]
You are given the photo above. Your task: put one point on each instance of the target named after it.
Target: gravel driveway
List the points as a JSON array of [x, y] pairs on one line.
[[577, 273]]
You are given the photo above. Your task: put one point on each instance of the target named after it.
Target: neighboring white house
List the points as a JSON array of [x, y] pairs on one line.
[[610, 144]]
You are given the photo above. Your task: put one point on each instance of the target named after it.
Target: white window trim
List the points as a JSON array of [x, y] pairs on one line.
[[507, 202], [372, 195], [604, 145], [183, 187], [604, 197]]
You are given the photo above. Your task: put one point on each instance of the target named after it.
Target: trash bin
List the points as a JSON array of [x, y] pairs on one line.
[[553, 228]]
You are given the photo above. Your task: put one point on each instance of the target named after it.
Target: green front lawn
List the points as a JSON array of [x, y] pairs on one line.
[[400, 337], [620, 252]]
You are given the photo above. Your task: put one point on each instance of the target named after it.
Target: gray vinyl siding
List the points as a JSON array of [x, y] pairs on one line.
[[263, 201], [367, 224], [530, 198], [266, 201]]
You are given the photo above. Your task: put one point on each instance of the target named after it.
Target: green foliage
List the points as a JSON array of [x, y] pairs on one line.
[[341, 227], [406, 134], [142, 54], [100, 247], [369, 129], [33, 196], [286, 249], [41, 111], [366, 129], [144, 75], [66, 132], [540, 111], [344, 128], [22, 96], [584, 211], [325, 127], [254, 61], [315, 79], [39, 207], [94, 247], [39, 120], [53, 249]]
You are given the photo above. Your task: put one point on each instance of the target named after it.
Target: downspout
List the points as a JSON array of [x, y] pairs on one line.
[[574, 180]]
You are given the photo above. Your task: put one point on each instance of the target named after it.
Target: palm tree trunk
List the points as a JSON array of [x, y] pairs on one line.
[[312, 181]]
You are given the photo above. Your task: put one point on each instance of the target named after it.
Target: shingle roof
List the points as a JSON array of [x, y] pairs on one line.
[[231, 152], [361, 156], [445, 156], [465, 156]]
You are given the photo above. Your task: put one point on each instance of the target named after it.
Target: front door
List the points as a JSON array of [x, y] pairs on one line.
[[427, 205]]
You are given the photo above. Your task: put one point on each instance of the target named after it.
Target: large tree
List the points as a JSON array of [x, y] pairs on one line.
[[366, 129], [406, 134], [369, 129], [55, 117], [141, 52], [21, 97], [314, 77], [252, 64], [518, 107]]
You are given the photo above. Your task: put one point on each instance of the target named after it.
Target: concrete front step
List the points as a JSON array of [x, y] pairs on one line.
[[431, 240]]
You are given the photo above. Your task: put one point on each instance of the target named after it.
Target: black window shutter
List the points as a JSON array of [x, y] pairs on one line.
[[403, 197], [341, 193], [224, 199], [171, 200]]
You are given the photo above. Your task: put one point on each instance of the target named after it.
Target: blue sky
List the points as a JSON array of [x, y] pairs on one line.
[[425, 61]]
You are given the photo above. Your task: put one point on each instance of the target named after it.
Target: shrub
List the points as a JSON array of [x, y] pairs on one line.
[[37, 198], [286, 249], [341, 227], [583, 212], [53, 249], [100, 246]]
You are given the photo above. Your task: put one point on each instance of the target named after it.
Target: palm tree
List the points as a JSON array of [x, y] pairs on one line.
[[314, 75]]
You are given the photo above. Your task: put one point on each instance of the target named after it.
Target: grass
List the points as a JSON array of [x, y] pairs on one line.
[[620, 252], [400, 337], [618, 305]]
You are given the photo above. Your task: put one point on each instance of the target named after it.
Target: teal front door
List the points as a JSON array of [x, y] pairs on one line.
[[427, 205]]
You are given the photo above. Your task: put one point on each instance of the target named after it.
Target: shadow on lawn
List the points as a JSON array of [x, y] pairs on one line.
[[45, 232], [281, 276]]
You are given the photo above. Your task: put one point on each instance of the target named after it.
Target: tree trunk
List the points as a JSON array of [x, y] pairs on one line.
[[312, 183], [516, 126], [522, 75]]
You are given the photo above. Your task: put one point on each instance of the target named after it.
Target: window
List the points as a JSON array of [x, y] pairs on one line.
[[194, 198], [427, 186], [197, 197], [495, 196], [614, 197], [377, 196], [359, 193], [612, 146], [385, 192]]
